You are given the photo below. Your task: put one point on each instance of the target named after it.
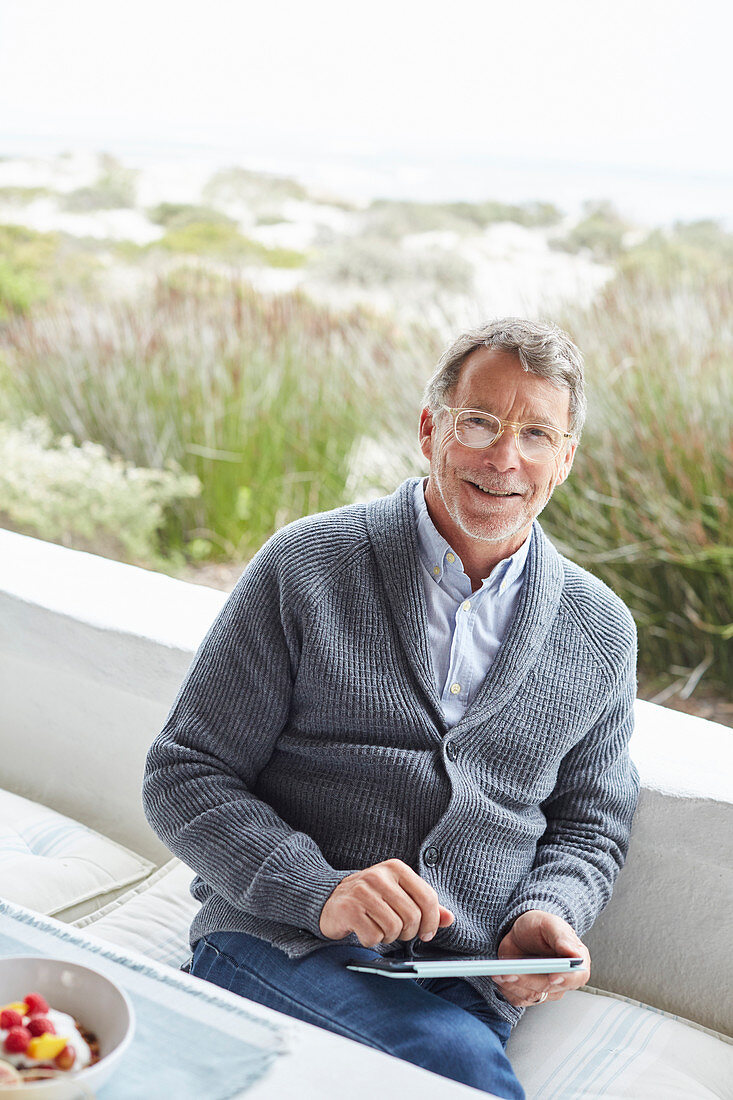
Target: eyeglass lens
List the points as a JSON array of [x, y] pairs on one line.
[[536, 441]]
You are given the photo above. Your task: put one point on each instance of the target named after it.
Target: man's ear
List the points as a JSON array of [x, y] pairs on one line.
[[565, 464], [425, 433]]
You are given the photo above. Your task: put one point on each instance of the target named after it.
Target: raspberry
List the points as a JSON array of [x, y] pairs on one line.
[[10, 1018], [37, 1005], [66, 1058], [41, 1025], [17, 1040]]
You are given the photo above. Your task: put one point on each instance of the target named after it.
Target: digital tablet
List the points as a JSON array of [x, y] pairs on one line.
[[460, 967]]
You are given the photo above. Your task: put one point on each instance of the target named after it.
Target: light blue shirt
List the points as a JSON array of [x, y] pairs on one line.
[[465, 628]]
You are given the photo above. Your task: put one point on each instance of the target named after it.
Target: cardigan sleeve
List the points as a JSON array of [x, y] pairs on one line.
[[588, 817], [221, 731]]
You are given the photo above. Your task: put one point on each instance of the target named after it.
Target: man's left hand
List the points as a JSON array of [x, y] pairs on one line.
[[538, 933]]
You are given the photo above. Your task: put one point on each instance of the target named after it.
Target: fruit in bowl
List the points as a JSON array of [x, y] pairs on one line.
[[63, 1028]]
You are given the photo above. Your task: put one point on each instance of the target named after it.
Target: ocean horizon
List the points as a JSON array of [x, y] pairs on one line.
[[643, 194]]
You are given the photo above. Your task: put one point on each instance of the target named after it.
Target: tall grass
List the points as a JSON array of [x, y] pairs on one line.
[[263, 399], [281, 408], [648, 505]]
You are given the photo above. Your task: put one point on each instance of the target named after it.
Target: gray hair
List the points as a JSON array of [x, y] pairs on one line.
[[542, 349]]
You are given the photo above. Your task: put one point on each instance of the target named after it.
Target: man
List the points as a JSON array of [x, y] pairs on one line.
[[410, 721]]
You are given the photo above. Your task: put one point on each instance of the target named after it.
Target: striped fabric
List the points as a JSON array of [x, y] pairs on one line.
[[190, 1041], [57, 866], [153, 918], [589, 1044]]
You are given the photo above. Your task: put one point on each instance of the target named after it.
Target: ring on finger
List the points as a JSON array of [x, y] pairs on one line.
[[543, 998]]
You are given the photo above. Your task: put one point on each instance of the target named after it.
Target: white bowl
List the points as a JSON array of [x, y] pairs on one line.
[[95, 1001]]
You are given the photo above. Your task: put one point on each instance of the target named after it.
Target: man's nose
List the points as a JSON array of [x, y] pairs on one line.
[[504, 453]]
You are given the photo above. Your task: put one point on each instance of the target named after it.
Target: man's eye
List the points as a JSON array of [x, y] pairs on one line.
[[536, 431]]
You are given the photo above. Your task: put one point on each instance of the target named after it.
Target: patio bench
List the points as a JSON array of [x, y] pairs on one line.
[[91, 655]]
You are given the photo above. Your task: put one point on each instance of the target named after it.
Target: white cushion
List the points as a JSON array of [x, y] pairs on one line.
[[593, 1044], [153, 918], [58, 866], [586, 1045]]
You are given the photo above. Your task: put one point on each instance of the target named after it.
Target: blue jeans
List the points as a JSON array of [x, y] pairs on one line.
[[441, 1024]]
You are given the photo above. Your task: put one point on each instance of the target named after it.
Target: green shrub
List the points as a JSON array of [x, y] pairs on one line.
[[273, 219], [396, 218], [370, 263], [684, 254], [114, 188], [27, 263], [81, 497], [175, 215], [601, 231], [23, 196], [261, 192], [529, 214], [648, 506], [223, 240]]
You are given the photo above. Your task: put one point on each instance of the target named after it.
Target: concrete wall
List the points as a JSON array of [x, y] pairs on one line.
[[92, 653]]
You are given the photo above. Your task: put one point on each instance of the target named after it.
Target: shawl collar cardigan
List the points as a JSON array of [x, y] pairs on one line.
[[307, 741], [395, 541]]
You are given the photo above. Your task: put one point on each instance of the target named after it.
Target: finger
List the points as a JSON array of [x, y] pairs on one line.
[[384, 900], [546, 997], [536, 1000], [406, 915], [561, 982], [398, 921], [425, 898], [560, 937], [523, 989], [408, 895], [528, 1002], [539, 933], [573, 980], [509, 995], [368, 932], [505, 979], [363, 905], [568, 943]]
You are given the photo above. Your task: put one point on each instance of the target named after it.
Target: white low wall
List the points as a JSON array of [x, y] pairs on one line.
[[92, 653]]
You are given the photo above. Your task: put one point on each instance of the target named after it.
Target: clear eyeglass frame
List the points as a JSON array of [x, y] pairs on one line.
[[516, 428]]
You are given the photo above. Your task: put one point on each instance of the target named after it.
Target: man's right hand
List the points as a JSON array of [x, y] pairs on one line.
[[384, 903]]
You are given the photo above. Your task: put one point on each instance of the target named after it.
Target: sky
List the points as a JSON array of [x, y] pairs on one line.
[[449, 99]]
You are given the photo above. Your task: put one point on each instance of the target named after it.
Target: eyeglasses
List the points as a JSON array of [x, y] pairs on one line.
[[535, 442]]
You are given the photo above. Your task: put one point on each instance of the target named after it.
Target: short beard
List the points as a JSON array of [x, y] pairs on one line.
[[481, 537]]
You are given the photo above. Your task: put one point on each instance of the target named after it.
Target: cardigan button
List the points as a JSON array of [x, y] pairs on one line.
[[431, 857], [451, 751]]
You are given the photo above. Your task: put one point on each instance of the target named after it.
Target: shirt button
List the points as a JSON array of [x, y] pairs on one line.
[[451, 751], [450, 557], [436, 570], [431, 857], [455, 689], [466, 606]]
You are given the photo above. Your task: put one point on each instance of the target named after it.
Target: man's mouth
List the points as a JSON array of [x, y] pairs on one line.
[[494, 492]]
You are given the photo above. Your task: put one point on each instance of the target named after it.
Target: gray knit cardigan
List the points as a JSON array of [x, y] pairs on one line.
[[307, 741]]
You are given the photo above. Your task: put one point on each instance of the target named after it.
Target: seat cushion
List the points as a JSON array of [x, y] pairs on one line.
[[586, 1045], [594, 1044], [153, 918], [58, 866]]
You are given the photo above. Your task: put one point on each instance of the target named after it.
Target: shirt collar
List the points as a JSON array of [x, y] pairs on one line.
[[435, 553]]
